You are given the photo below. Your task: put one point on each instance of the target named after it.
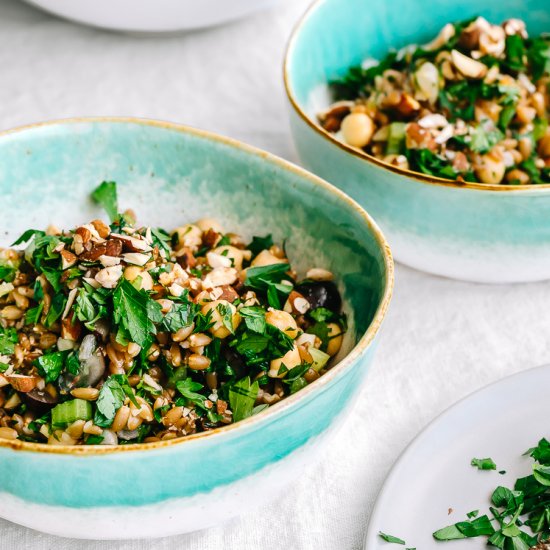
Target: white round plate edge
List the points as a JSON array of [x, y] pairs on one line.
[[171, 16], [383, 503]]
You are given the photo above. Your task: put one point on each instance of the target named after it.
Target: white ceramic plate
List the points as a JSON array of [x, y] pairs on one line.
[[434, 476], [152, 16]]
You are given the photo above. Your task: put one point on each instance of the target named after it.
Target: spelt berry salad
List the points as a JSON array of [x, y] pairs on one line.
[[472, 105], [121, 334]]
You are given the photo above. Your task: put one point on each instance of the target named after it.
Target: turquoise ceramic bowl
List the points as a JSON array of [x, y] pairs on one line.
[[168, 175], [474, 232]]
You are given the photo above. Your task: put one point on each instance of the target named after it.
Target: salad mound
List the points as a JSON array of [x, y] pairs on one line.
[[472, 105], [114, 333]]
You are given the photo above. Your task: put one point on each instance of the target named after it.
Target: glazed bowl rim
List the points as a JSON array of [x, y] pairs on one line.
[[370, 159], [358, 350]]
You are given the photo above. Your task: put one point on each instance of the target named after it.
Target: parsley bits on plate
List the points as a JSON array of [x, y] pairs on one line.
[[466, 500], [471, 105], [119, 334]]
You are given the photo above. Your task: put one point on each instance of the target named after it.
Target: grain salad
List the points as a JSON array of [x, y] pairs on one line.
[[472, 105], [113, 333]]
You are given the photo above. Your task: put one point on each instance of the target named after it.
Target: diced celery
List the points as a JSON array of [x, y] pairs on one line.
[[320, 358], [396, 137], [66, 413]]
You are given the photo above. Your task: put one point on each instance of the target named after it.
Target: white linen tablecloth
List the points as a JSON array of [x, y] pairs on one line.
[[441, 340]]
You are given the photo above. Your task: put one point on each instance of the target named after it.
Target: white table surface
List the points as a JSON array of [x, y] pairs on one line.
[[441, 340]]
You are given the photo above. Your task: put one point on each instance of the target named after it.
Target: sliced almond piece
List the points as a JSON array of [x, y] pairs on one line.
[[108, 261], [133, 244], [84, 233], [109, 276], [219, 276], [445, 34], [70, 300], [217, 260], [467, 66], [68, 259], [136, 258], [102, 228]]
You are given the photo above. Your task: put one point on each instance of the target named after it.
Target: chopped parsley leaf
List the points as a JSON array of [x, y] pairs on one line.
[[111, 398], [189, 389], [8, 339], [106, 196], [322, 314], [466, 529], [27, 236], [180, 315], [391, 538], [254, 318], [242, 397], [484, 463], [260, 243], [49, 366], [136, 313]]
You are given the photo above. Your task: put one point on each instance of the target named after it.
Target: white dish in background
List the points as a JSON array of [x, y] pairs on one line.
[[152, 16], [434, 477]]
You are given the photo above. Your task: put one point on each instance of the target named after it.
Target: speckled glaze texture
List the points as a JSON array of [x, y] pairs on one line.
[[471, 232], [171, 175]]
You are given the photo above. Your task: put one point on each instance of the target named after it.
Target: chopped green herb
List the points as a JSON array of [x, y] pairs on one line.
[[8, 339], [180, 315], [106, 196], [254, 318], [528, 503], [483, 140], [484, 463], [430, 163], [260, 243], [515, 50], [539, 56], [94, 440], [7, 272], [355, 82], [27, 236], [391, 538], [226, 314], [49, 366], [189, 389], [111, 398], [466, 529], [56, 309], [117, 303], [321, 314], [161, 239], [421, 106], [260, 278], [136, 313], [242, 396]]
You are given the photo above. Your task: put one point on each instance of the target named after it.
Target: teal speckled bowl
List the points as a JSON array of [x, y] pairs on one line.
[[168, 175], [475, 232]]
